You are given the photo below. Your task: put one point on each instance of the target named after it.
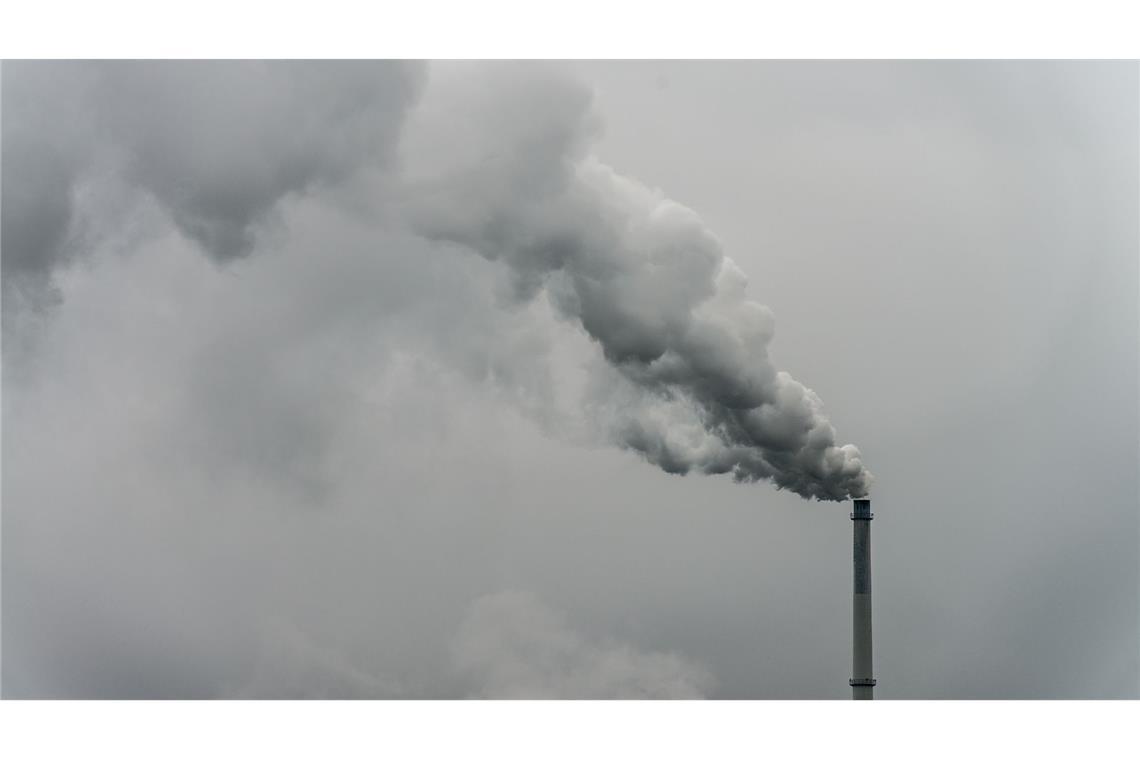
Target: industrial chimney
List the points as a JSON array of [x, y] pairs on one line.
[[862, 683]]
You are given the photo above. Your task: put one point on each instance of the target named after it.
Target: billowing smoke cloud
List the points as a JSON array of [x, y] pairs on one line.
[[642, 275], [217, 143], [495, 159], [291, 472], [47, 141], [220, 142]]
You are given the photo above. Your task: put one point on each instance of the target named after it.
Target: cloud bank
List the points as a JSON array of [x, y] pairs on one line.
[[513, 646], [217, 143]]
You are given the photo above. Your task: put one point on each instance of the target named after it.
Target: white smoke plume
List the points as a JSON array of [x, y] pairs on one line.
[[493, 158]]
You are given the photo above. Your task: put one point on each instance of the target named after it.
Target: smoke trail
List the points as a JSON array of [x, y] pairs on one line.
[[493, 158], [642, 275]]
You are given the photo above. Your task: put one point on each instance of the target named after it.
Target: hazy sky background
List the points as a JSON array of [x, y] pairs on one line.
[[264, 436]]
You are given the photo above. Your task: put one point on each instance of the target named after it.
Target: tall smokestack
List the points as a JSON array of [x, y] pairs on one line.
[[862, 683]]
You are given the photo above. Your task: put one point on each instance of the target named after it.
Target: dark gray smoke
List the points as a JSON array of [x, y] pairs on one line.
[[642, 275], [217, 143], [497, 160]]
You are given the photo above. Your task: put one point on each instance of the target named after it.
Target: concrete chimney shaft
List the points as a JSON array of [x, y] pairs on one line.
[[862, 682]]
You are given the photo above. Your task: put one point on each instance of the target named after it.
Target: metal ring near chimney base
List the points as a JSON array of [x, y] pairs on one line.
[[862, 681]]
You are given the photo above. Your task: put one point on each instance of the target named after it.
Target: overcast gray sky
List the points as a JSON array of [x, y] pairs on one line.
[[362, 379]]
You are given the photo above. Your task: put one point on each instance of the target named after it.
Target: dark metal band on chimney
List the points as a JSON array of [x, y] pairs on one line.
[[862, 681]]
